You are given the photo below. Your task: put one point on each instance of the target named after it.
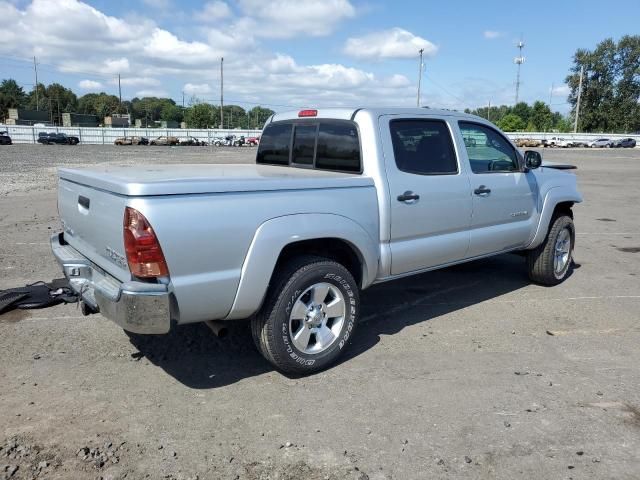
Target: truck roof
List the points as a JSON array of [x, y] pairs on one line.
[[344, 113]]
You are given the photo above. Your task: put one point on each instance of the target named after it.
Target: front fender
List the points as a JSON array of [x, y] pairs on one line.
[[275, 234], [554, 196]]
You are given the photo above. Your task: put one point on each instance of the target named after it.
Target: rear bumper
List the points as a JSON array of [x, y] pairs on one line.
[[137, 307]]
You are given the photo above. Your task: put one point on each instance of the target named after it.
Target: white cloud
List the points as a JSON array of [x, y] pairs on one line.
[[214, 10], [152, 93], [393, 43], [288, 18], [561, 90], [90, 85], [196, 89], [397, 81], [492, 34], [138, 82]]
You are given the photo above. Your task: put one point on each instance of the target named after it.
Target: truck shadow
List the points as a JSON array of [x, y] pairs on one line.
[[194, 356]]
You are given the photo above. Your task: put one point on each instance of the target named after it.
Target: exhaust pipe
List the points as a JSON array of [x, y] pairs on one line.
[[218, 327], [87, 309]]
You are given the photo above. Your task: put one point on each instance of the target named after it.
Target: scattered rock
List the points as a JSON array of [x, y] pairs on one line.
[[37, 356], [288, 444], [440, 462], [521, 373], [467, 459], [571, 467], [599, 394], [580, 453], [549, 332], [42, 465], [507, 424]]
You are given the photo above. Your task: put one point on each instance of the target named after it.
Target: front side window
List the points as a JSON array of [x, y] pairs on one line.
[[423, 147], [489, 152]]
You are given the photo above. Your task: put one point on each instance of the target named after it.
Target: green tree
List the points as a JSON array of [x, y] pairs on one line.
[[99, 104], [201, 115], [511, 123], [258, 115], [171, 113], [11, 96], [541, 117], [522, 110], [610, 86]]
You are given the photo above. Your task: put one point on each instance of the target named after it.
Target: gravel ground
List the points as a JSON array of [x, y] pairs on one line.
[[468, 372]]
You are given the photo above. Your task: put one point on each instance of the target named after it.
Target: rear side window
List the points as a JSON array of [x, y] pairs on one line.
[[423, 147], [321, 144], [275, 144]]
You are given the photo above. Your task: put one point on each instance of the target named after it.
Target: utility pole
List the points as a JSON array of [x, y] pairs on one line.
[[550, 95], [575, 125], [221, 92], [519, 60], [35, 69], [489, 112], [420, 76], [119, 94], [183, 100]]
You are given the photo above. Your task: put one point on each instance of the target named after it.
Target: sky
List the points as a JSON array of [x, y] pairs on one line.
[[286, 54]]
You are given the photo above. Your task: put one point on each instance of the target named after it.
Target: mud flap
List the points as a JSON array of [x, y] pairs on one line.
[[37, 295]]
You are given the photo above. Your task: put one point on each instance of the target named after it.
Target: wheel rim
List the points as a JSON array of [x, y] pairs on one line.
[[317, 318], [562, 252]]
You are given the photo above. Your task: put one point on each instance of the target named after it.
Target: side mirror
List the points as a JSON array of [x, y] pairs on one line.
[[532, 159]]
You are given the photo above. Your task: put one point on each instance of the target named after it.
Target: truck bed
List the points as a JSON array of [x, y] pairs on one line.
[[197, 179]]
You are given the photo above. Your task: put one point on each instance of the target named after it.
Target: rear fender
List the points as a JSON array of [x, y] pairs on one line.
[[275, 234]]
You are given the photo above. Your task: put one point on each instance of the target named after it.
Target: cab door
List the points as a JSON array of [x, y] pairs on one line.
[[504, 194], [429, 189]]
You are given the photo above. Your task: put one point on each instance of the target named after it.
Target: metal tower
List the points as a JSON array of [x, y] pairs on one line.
[[519, 60]]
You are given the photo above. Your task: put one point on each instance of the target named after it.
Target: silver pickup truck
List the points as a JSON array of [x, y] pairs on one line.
[[338, 200]]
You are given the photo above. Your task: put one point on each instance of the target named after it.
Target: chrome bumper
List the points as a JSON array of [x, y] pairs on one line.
[[137, 307]]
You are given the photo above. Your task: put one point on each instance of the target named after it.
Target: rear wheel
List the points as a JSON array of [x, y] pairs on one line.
[[550, 263], [309, 315]]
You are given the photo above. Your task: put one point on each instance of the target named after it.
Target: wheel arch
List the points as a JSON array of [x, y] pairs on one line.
[[557, 200], [280, 239]]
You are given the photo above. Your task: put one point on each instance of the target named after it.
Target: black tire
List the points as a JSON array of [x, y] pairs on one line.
[[270, 327], [540, 261]]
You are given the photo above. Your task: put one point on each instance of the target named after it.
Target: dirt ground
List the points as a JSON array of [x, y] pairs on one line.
[[468, 372]]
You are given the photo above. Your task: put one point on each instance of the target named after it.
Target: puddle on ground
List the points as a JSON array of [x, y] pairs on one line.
[[629, 249], [14, 316]]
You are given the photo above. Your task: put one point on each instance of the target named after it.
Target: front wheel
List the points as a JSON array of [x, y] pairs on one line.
[[550, 262], [309, 315]]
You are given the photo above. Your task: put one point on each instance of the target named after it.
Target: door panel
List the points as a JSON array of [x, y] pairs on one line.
[[420, 160], [504, 197]]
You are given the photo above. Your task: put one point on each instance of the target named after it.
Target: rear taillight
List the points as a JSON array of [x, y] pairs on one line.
[[144, 254], [308, 113]]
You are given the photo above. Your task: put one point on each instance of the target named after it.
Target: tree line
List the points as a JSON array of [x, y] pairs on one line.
[[57, 99], [525, 118]]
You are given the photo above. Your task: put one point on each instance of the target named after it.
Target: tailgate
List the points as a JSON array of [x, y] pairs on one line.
[[92, 221]]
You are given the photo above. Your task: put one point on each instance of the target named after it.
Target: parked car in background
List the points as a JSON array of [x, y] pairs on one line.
[[218, 141], [581, 143], [253, 141], [601, 143], [193, 141], [624, 143], [558, 142], [131, 141], [53, 138], [338, 200], [239, 141], [528, 142], [5, 139], [164, 140]]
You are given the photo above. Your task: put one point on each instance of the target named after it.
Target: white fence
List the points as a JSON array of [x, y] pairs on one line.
[[102, 136]]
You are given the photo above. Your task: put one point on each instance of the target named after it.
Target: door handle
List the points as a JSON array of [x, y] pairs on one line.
[[408, 196], [482, 191]]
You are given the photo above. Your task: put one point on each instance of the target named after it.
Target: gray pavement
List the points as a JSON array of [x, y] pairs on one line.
[[467, 372]]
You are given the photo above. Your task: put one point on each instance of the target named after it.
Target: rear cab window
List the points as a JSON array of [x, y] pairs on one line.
[[321, 144]]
